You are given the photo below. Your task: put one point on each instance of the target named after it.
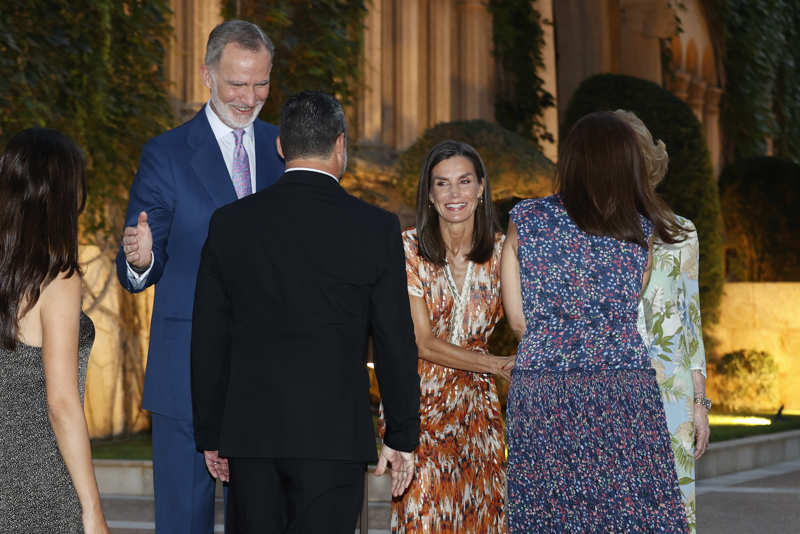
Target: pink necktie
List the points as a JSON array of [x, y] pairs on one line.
[[241, 167]]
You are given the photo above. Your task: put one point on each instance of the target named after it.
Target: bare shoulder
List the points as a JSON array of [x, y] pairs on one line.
[[62, 292]]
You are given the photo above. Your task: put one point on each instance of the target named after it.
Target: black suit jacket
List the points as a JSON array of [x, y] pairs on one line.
[[292, 281]]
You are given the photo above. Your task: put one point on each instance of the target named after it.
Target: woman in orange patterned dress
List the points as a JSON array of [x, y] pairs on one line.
[[453, 269]]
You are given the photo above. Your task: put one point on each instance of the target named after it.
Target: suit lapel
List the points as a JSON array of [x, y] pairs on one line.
[[266, 154], [207, 161]]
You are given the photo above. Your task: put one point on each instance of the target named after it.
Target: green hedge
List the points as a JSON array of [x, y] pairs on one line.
[[759, 199], [747, 380], [689, 187], [515, 165]]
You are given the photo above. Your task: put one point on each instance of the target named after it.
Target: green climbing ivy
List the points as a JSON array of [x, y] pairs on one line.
[[518, 41], [94, 70], [760, 43], [317, 46]]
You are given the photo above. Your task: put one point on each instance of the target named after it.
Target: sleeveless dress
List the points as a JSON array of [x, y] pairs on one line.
[[588, 447], [459, 485], [36, 491]]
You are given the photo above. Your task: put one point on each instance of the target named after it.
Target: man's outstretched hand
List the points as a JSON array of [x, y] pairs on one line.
[[137, 243], [402, 468]]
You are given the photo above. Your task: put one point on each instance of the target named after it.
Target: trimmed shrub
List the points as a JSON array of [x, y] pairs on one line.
[[747, 381], [759, 199], [689, 187], [515, 165]]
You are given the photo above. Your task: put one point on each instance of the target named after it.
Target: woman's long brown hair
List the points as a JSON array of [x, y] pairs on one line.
[[429, 234], [42, 192], [603, 185]]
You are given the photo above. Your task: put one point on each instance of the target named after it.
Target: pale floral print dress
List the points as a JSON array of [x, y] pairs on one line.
[[669, 322], [460, 479]]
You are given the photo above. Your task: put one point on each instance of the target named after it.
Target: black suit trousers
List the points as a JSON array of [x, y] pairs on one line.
[[293, 496]]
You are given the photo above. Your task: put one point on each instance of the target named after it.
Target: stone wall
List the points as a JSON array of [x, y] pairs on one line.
[[763, 316], [116, 366]]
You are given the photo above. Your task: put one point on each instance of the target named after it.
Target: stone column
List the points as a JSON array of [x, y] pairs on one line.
[[549, 75], [679, 84], [407, 54], [476, 64], [643, 23], [388, 61], [697, 96], [711, 125], [369, 106], [193, 21], [441, 20]]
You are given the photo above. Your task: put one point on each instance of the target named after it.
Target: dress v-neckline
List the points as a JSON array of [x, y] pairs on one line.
[[460, 299]]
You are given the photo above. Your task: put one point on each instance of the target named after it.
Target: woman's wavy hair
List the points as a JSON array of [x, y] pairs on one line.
[[42, 192], [429, 234], [603, 182]]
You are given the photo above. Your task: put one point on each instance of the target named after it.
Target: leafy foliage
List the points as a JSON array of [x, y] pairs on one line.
[[317, 46], [515, 165], [759, 199], [518, 42], [92, 69], [761, 56], [689, 187], [747, 381]]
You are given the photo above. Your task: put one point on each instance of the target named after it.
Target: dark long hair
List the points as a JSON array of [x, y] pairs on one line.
[[603, 185], [431, 244], [42, 192]]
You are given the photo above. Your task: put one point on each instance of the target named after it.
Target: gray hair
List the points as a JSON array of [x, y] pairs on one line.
[[654, 151], [243, 33]]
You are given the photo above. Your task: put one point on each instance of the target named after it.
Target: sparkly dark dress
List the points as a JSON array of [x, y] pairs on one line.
[[588, 447], [36, 491]]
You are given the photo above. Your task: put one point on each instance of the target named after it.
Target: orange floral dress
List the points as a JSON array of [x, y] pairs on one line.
[[460, 481]]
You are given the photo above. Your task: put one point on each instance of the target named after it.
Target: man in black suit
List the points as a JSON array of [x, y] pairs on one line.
[[292, 281]]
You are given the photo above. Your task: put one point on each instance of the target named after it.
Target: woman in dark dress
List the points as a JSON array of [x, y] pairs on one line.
[[588, 447], [47, 481]]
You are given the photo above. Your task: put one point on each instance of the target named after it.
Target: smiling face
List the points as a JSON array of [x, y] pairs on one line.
[[239, 84], [455, 189]]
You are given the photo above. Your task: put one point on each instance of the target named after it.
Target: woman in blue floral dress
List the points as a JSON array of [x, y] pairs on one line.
[[588, 447]]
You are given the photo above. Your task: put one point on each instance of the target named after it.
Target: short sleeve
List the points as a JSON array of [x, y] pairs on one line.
[[411, 248]]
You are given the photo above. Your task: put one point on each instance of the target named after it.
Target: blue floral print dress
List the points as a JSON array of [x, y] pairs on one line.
[[588, 447]]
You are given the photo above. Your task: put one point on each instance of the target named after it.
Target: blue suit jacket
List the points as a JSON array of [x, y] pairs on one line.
[[181, 180]]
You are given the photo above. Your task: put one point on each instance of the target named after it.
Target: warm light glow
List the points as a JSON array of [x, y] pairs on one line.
[[738, 420], [371, 365]]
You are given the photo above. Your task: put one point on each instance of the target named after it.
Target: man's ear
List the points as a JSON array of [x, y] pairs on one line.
[[341, 144], [279, 147], [205, 74]]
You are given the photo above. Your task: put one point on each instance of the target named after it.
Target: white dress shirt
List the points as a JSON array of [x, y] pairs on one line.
[[312, 170], [226, 141]]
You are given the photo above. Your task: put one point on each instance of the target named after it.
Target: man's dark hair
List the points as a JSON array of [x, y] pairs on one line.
[[310, 124]]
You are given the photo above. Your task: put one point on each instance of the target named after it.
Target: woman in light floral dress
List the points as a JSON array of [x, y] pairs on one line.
[[453, 270], [669, 322]]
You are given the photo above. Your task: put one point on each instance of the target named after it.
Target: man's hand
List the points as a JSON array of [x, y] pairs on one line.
[[137, 243], [402, 468], [701, 431], [217, 466]]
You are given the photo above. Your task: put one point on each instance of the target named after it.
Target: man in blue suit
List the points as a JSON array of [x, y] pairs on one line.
[[222, 154]]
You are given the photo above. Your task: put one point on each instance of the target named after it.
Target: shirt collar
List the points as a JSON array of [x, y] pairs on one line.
[[221, 130], [312, 170]]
